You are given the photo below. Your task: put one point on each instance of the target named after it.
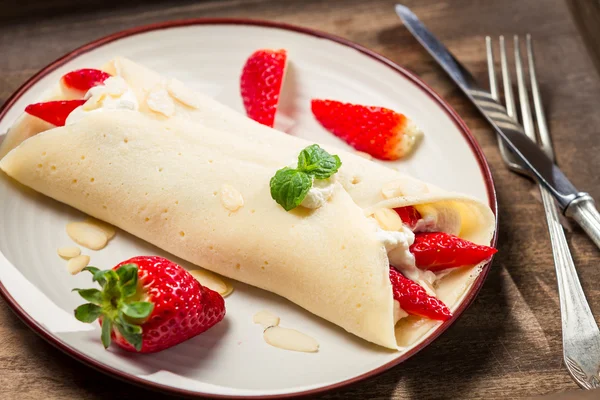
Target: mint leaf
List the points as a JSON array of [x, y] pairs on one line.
[[289, 187], [315, 161]]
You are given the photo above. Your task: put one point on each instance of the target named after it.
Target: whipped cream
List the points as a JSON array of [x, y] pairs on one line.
[[397, 244], [319, 193], [112, 94]]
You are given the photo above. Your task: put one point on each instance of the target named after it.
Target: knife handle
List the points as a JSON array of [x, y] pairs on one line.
[[584, 212]]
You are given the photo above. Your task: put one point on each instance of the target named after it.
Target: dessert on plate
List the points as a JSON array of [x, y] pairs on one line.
[[383, 255]]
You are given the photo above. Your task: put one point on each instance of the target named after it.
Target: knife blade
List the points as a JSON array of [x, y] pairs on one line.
[[529, 154], [573, 203]]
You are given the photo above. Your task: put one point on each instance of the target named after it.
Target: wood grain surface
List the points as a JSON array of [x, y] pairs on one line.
[[508, 344]]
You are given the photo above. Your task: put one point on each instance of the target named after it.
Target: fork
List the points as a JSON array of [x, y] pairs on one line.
[[580, 333]]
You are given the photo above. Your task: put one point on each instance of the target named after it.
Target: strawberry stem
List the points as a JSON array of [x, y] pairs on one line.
[[116, 304]]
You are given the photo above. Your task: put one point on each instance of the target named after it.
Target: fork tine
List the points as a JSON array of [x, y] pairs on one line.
[[491, 70], [523, 97], [540, 115], [506, 82]]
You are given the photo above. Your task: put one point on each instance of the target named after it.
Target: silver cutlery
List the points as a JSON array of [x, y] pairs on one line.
[[581, 336], [527, 154]]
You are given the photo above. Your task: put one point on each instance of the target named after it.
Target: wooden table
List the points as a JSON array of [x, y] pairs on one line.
[[508, 344]]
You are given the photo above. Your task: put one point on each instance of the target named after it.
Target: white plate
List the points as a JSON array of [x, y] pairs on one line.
[[230, 359]]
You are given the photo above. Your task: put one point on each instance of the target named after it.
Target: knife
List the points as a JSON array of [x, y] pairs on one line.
[[573, 203]]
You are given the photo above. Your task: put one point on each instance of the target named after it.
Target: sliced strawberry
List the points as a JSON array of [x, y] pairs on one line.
[[149, 304], [381, 132], [260, 84], [409, 215], [54, 112], [84, 79], [414, 299], [436, 251]]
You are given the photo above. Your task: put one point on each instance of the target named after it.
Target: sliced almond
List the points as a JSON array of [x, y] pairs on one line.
[[212, 281], [231, 198], [108, 229], [181, 93], [266, 319], [388, 219], [87, 235], [159, 101], [290, 339], [69, 252], [77, 264], [94, 102], [363, 155], [115, 86], [404, 186]]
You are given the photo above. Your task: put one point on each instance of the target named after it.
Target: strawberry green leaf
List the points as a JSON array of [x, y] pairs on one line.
[[131, 332], [289, 187], [88, 312], [128, 277], [317, 162], [94, 271], [106, 332], [92, 295], [138, 309]]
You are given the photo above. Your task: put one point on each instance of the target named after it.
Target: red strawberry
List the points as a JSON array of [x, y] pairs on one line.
[[409, 215], [381, 132], [260, 84], [436, 251], [54, 112], [84, 79], [148, 304], [414, 299]]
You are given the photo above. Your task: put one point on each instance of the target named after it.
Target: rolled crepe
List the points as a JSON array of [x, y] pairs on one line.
[[159, 178]]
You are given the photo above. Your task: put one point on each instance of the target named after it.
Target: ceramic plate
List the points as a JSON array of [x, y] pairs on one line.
[[230, 360]]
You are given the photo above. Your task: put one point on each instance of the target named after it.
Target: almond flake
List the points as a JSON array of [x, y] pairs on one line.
[[77, 264], [108, 229], [212, 281], [266, 319], [114, 86], [404, 186], [364, 155], [231, 198], [388, 219], [182, 94], [94, 102], [290, 339], [87, 235], [159, 101], [69, 252]]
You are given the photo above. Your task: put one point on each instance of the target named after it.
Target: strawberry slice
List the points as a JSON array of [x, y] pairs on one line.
[[414, 299], [54, 112], [379, 131], [260, 84], [409, 215], [84, 79], [436, 251]]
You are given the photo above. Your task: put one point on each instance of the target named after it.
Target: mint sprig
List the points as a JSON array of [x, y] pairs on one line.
[[290, 186]]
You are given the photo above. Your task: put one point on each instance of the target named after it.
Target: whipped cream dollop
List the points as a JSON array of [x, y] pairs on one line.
[[319, 193], [397, 245], [113, 94]]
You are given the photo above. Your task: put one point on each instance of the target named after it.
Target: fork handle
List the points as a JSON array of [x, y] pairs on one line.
[[584, 212], [580, 334]]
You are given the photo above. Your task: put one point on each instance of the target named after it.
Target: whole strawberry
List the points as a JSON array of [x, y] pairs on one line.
[[260, 84], [379, 131], [148, 304]]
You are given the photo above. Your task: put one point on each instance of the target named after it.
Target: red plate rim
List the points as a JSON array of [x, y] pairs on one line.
[[460, 124]]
